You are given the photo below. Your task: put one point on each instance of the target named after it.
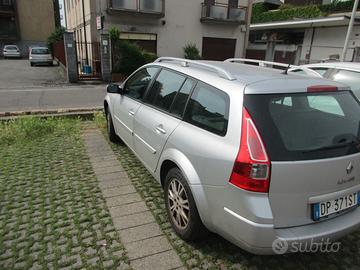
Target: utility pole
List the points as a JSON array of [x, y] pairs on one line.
[[248, 22], [351, 24], [85, 36]]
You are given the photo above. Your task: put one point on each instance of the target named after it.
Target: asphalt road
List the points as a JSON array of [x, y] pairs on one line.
[[24, 88]]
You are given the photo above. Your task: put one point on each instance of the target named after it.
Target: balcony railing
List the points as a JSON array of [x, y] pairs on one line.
[[222, 13], [147, 7], [7, 6]]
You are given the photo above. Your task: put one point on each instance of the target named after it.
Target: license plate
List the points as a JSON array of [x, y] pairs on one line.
[[323, 209]]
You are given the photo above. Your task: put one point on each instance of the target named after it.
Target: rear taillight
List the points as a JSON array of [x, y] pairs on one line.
[[321, 88], [252, 166]]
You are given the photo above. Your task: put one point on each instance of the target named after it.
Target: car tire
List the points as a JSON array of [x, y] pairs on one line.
[[32, 64], [178, 197], [110, 129]]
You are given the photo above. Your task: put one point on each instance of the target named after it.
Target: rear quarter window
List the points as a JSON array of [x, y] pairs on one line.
[[208, 108]]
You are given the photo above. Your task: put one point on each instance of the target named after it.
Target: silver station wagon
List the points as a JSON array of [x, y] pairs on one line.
[[253, 154]]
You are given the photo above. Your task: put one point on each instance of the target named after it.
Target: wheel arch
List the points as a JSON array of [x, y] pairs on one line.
[[172, 158]]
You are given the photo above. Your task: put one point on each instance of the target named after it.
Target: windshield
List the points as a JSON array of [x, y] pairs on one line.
[[305, 126], [40, 51]]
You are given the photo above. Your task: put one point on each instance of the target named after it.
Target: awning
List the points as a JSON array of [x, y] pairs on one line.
[[342, 20]]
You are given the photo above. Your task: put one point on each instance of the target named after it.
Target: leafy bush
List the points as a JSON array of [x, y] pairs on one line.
[[55, 36], [114, 33], [128, 57], [191, 52], [289, 12], [26, 129]]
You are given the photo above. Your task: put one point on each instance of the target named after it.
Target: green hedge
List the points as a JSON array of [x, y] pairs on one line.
[[288, 12], [128, 57]]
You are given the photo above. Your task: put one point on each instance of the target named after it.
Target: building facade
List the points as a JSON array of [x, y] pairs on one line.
[[164, 27], [302, 41], [26, 22]]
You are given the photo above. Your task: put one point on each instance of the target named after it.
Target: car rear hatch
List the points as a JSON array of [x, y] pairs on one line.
[[312, 140]]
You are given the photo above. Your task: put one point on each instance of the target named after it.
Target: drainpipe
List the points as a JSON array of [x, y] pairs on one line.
[[248, 22], [351, 24], [311, 43], [85, 36]]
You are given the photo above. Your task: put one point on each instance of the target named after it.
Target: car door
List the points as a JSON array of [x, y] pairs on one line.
[[130, 102], [153, 122]]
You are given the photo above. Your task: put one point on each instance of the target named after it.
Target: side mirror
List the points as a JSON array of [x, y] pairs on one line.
[[114, 89]]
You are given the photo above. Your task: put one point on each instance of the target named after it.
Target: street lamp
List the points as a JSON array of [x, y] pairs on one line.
[[351, 24]]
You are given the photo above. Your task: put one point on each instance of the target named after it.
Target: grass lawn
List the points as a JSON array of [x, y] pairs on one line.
[[52, 213]]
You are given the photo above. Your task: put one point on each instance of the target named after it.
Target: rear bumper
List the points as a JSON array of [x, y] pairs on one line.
[[41, 61], [259, 238], [12, 55]]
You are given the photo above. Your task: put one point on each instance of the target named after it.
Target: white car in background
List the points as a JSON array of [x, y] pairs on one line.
[[344, 72], [11, 51], [40, 56]]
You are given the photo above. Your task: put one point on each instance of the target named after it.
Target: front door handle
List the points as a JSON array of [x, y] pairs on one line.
[[160, 129], [131, 113]]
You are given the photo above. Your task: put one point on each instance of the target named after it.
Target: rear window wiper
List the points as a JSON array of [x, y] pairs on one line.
[[334, 146]]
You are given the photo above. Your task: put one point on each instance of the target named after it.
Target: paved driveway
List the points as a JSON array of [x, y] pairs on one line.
[[26, 88], [19, 74]]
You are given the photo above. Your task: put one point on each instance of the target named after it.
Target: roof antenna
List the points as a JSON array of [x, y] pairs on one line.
[[286, 70]]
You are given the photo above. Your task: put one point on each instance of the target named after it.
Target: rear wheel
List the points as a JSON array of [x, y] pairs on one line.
[[31, 64], [110, 128], [181, 207]]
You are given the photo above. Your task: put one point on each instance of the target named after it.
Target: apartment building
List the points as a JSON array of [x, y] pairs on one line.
[[306, 40], [164, 27], [26, 22]]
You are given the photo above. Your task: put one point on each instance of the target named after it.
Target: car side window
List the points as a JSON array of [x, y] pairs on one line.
[[136, 86], [182, 97], [208, 108], [164, 89]]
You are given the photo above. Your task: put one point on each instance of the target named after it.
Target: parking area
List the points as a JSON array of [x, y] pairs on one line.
[[17, 73]]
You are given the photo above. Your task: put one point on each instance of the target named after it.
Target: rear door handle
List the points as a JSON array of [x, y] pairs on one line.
[[160, 129], [131, 113]]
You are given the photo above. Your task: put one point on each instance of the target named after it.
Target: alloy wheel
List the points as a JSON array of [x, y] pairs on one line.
[[178, 204]]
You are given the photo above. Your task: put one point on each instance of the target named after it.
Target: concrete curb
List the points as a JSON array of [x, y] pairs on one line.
[[51, 112]]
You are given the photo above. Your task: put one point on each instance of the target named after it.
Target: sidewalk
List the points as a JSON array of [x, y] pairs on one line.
[[146, 245]]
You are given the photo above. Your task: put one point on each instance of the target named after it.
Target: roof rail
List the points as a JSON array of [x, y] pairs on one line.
[[261, 63], [186, 63]]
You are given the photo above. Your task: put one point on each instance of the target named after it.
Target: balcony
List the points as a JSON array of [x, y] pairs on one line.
[[152, 8], [222, 13], [7, 7]]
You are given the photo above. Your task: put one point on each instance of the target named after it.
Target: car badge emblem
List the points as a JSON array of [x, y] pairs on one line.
[[349, 168]]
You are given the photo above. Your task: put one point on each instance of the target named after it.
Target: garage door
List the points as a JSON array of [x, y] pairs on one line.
[[218, 48]]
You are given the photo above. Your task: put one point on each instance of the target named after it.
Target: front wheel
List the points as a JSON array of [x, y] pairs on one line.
[[110, 128], [181, 207]]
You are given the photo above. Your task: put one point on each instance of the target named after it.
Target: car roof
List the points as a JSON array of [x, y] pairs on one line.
[[340, 65], [254, 79]]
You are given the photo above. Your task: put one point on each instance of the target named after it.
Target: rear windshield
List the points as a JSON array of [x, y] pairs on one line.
[[40, 51], [10, 48], [305, 126]]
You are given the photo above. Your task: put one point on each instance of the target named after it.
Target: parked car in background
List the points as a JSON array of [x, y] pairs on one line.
[[40, 56], [230, 145], [344, 72], [11, 51]]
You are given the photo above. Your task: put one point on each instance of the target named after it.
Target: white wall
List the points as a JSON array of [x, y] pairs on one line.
[[182, 25], [329, 41]]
